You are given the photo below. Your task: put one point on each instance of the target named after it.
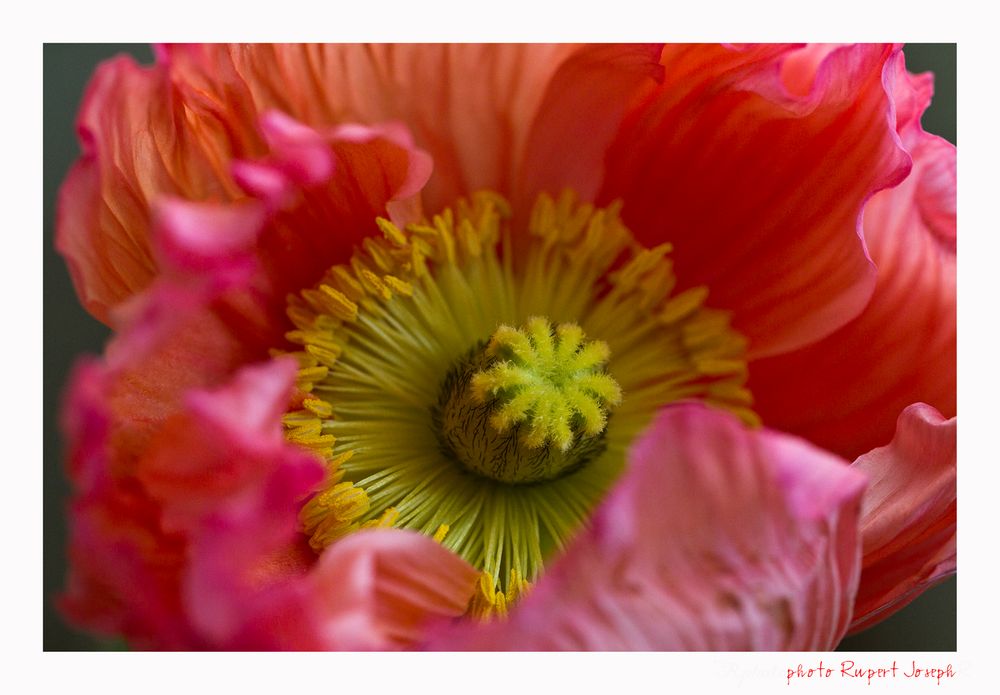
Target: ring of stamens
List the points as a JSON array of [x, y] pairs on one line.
[[381, 336]]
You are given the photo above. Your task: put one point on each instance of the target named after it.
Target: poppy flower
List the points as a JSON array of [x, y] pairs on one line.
[[510, 347]]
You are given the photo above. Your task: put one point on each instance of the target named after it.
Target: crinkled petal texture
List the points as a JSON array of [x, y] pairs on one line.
[[845, 392], [478, 109], [381, 589], [761, 190], [140, 139], [908, 515], [222, 178], [138, 512], [201, 548], [124, 567], [177, 126], [718, 538], [469, 105], [225, 269], [185, 531]]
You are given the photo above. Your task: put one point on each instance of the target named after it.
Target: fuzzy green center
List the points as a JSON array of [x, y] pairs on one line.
[[529, 405]]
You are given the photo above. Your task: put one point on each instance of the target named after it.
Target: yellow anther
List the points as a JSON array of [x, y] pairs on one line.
[[309, 428], [318, 338], [304, 359], [448, 243], [398, 286], [347, 282], [490, 603], [682, 305], [318, 407], [297, 418], [307, 377], [720, 367], [705, 327], [646, 261], [300, 316], [338, 304], [324, 355], [333, 513], [374, 285], [470, 239], [385, 520], [379, 254], [391, 231]]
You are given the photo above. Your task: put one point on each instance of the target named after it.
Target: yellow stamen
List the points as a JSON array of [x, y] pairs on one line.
[[487, 602], [441, 532], [334, 513], [546, 407]]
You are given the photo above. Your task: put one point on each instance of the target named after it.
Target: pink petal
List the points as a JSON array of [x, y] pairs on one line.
[[380, 589], [267, 183], [761, 191], [223, 445], [250, 405], [302, 150], [116, 543], [175, 449], [174, 342], [902, 348], [246, 583], [799, 68], [224, 475], [171, 341], [240, 260], [189, 491], [908, 514], [178, 545], [253, 583], [205, 237], [123, 579], [718, 538]]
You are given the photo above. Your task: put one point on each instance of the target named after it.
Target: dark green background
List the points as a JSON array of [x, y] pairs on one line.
[[926, 625]]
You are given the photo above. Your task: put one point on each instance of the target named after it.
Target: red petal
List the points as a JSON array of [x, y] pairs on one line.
[[718, 538], [845, 391], [320, 213], [583, 106], [760, 191], [908, 514]]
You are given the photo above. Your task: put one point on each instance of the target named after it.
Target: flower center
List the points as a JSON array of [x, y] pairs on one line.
[[530, 405], [445, 403]]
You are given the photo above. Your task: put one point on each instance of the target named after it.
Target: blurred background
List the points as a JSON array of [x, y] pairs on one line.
[[928, 624]]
